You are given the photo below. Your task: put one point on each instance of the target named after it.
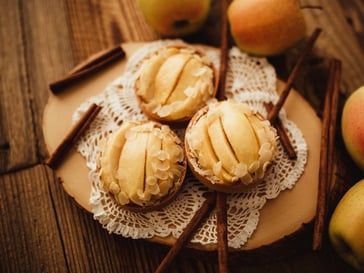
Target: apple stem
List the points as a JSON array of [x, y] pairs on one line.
[[311, 7], [180, 24]]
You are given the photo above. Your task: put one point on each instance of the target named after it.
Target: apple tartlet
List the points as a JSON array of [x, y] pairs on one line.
[[175, 82], [143, 165], [229, 147]]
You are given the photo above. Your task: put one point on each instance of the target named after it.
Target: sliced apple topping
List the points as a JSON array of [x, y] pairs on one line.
[[229, 143], [142, 162], [175, 82]]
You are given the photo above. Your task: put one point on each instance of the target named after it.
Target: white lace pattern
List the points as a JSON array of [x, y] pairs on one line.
[[249, 79]]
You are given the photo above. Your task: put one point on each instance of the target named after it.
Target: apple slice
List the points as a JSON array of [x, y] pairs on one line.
[[150, 70], [186, 107], [208, 159], [168, 75], [221, 145], [188, 79], [240, 133], [131, 176], [110, 158]]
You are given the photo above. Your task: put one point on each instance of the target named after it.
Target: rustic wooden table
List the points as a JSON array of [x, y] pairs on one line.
[[42, 229]]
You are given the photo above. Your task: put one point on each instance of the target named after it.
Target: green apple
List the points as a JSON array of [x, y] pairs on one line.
[[266, 27], [346, 227], [352, 126], [175, 18]]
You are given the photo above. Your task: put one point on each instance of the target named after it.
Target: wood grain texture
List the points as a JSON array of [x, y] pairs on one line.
[[42, 228], [96, 25], [48, 55], [30, 239], [340, 38], [17, 135]]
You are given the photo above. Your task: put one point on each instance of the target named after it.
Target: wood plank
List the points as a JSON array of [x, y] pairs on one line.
[[29, 238], [48, 56], [36, 52], [354, 14], [98, 25], [17, 137], [340, 39], [86, 36]]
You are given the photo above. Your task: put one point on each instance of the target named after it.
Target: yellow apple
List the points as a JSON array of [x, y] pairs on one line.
[[346, 227], [352, 126], [266, 27], [175, 18]]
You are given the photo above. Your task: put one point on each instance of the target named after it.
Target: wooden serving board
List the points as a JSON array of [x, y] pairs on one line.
[[279, 218]]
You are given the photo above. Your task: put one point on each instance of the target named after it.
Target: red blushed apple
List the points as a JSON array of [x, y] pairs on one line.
[[352, 126], [266, 27]]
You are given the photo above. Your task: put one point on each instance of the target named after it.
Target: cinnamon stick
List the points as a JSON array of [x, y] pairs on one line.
[[222, 232], [71, 138], [224, 50], [286, 143], [196, 220], [221, 212], [333, 116], [87, 69], [326, 151], [283, 137], [273, 114]]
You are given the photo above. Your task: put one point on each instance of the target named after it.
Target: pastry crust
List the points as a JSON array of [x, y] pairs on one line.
[[143, 165], [229, 147], [174, 83]]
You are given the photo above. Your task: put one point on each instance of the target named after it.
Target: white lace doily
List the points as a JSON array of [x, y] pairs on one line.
[[249, 79]]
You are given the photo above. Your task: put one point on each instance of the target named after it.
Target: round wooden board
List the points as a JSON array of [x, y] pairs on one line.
[[279, 218]]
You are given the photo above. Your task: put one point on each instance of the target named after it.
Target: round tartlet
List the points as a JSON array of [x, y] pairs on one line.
[[174, 82], [143, 165], [229, 147]]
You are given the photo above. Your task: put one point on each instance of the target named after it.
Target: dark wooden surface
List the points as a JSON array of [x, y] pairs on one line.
[[41, 228]]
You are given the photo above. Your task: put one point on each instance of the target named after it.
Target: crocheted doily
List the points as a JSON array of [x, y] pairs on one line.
[[249, 79]]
